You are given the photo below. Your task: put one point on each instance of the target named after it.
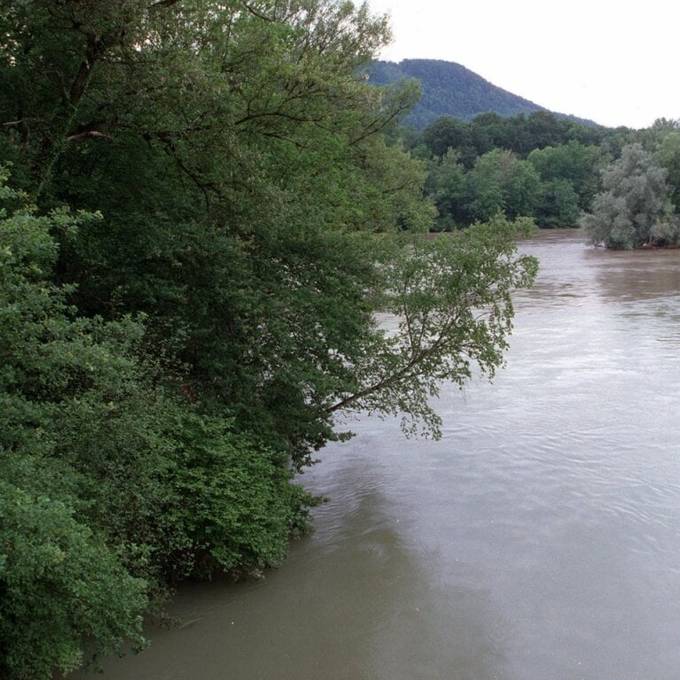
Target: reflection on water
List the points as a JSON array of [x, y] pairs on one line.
[[539, 540]]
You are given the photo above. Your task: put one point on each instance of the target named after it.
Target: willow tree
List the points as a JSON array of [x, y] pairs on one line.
[[634, 207]]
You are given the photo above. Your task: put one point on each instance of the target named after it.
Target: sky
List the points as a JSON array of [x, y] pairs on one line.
[[616, 63]]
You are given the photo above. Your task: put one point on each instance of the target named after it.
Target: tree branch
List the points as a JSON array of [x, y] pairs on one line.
[[88, 134]]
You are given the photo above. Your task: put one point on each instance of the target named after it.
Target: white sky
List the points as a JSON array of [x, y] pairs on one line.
[[617, 63]]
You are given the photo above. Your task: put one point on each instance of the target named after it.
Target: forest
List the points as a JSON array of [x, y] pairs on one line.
[[621, 185], [450, 89], [203, 208]]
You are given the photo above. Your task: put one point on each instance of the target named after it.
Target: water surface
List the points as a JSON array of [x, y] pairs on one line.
[[539, 540]]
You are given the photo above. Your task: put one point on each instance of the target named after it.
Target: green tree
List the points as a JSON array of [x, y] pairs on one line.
[[447, 186], [542, 129], [447, 134], [559, 204], [184, 339], [452, 296], [501, 182], [59, 582], [111, 484], [234, 157], [634, 208], [574, 162], [490, 131], [61, 586], [668, 157]]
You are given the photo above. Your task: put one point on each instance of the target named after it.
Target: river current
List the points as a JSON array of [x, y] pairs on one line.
[[538, 540]]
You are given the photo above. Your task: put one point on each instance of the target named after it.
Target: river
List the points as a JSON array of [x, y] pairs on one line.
[[538, 540]]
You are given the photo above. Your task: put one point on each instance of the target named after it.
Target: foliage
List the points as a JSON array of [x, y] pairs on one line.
[[60, 585], [566, 160], [183, 337], [452, 296], [521, 134], [668, 157], [558, 206], [159, 491], [234, 501], [501, 182], [230, 211], [573, 162], [633, 208], [59, 582], [447, 185], [450, 135]]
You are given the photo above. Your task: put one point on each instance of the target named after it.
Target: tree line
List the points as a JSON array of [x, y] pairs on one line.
[[622, 185]]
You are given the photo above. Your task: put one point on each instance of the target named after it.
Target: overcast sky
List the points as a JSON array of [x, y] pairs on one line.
[[614, 62]]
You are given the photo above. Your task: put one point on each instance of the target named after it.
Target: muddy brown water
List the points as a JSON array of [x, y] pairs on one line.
[[538, 540]]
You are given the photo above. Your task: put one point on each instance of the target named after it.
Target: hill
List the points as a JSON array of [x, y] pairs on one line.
[[450, 89]]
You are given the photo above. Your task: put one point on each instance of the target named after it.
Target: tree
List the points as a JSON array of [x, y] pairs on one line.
[[447, 185], [239, 164], [489, 131], [668, 157], [233, 174], [447, 134], [542, 129], [501, 182], [213, 218], [576, 163], [559, 204], [452, 296], [634, 208], [60, 581], [111, 484]]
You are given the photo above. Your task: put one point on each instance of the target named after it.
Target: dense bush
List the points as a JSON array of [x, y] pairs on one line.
[[110, 486], [59, 587], [634, 208]]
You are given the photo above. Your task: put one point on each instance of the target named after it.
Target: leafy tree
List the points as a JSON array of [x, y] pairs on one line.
[[634, 208], [60, 586], [559, 204], [181, 340], [490, 131], [568, 160], [540, 129], [60, 582], [232, 177], [668, 157], [576, 163], [447, 134], [448, 186], [111, 484], [452, 296], [524, 133], [501, 182]]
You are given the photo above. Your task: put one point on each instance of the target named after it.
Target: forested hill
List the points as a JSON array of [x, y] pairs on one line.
[[449, 89]]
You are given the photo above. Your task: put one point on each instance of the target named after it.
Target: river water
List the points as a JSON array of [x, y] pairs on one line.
[[538, 540]]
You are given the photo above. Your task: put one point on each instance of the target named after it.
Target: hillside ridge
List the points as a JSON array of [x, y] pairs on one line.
[[451, 89]]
